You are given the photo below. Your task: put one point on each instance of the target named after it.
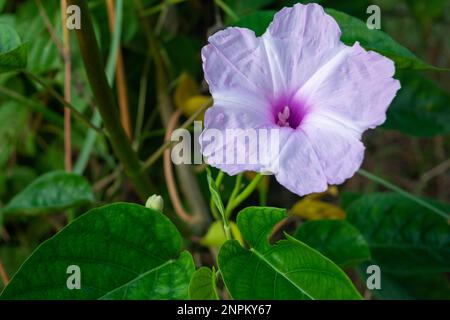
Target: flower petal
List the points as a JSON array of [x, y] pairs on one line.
[[299, 168], [354, 88], [234, 61], [217, 142], [300, 40], [339, 150]]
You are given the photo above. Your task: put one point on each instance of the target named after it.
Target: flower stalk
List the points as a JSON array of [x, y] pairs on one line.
[[236, 199]]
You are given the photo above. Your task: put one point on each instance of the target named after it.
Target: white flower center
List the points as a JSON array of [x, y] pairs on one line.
[[283, 117]]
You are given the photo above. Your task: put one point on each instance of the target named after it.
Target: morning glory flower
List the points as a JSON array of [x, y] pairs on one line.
[[300, 78]]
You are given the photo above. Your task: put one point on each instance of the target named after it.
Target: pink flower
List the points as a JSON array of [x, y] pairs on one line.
[[298, 77]]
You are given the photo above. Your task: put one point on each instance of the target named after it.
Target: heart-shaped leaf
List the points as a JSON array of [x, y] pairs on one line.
[[287, 270], [122, 251], [403, 238], [335, 239]]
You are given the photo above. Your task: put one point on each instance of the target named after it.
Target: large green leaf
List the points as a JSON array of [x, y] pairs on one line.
[[335, 239], [354, 30], [403, 238], [124, 251], [203, 285], [51, 192], [13, 54], [420, 286], [287, 270], [421, 108]]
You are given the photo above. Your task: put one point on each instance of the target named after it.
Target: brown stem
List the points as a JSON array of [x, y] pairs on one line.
[[67, 90], [168, 173], [122, 93]]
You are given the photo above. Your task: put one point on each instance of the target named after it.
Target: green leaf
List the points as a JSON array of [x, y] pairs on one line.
[[13, 54], [335, 239], [421, 286], [421, 108], [203, 285], [287, 270], [403, 238], [354, 30], [167, 281], [51, 192], [123, 251], [215, 196]]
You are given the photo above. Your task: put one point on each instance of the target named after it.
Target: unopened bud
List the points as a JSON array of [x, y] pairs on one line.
[[155, 202]]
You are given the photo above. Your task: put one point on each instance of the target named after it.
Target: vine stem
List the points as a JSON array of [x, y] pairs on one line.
[[404, 193], [168, 173], [106, 104]]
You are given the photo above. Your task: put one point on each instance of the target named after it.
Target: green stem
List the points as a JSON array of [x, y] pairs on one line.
[[234, 193], [141, 104], [218, 183], [227, 229], [91, 138], [244, 194], [88, 145], [404, 193], [227, 9], [61, 100], [106, 103], [48, 114]]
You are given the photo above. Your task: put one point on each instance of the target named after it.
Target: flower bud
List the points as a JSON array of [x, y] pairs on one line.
[[155, 202]]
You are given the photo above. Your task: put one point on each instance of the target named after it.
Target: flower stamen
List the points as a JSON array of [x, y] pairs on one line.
[[283, 117]]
